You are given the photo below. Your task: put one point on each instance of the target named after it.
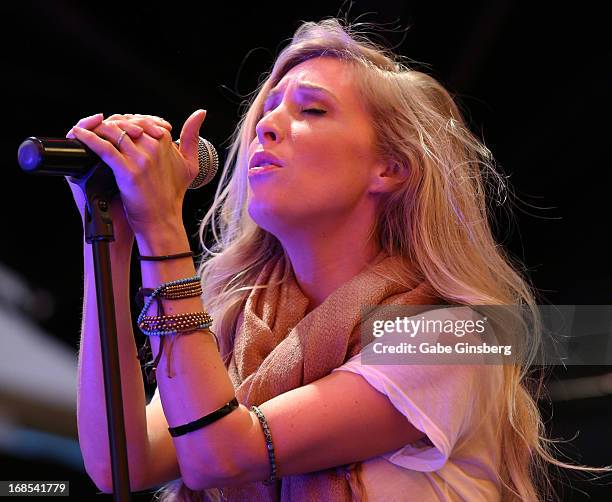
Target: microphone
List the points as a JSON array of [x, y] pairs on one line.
[[70, 157]]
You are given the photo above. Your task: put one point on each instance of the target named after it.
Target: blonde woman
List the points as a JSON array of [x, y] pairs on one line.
[[352, 180]]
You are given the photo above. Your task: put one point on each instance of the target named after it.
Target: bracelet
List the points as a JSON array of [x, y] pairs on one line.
[[164, 332], [178, 322], [170, 292], [173, 291], [165, 256], [176, 292], [269, 445], [161, 324], [160, 289], [205, 420]]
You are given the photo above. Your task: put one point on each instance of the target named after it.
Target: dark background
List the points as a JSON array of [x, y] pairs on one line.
[[532, 75]]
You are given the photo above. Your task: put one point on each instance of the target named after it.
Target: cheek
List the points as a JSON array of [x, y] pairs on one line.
[[332, 183], [323, 178]]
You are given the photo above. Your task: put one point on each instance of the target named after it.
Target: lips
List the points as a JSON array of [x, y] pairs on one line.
[[261, 158]]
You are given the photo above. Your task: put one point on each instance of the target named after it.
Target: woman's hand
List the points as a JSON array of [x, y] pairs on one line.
[[120, 223], [152, 173]]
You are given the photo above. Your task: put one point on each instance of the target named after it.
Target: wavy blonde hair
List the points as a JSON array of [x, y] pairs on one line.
[[438, 221]]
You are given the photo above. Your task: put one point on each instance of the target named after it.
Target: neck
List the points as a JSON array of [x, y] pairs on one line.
[[322, 263]]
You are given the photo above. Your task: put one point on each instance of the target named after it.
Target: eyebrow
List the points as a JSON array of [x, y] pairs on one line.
[[304, 86]]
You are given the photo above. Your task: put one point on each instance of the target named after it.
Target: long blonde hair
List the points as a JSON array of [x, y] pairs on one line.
[[439, 221]]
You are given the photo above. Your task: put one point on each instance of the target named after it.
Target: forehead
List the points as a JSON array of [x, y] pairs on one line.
[[333, 74]]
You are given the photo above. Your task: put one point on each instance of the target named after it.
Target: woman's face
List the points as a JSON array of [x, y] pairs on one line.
[[316, 126]]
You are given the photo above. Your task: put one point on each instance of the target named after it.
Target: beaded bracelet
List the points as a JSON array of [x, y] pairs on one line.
[[171, 325], [174, 324], [162, 288], [269, 445], [174, 293]]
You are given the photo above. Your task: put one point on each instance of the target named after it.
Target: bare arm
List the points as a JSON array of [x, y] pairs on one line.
[[91, 408], [314, 427], [144, 434], [91, 403]]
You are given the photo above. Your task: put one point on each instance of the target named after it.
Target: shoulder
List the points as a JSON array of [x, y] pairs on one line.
[[425, 351]]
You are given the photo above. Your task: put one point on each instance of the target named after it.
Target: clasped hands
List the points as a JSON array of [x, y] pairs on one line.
[[152, 172]]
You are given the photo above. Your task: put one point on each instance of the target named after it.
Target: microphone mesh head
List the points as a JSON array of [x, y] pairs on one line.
[[208, 163]]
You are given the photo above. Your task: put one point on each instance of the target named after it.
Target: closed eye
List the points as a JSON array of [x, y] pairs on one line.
[[314, 111]]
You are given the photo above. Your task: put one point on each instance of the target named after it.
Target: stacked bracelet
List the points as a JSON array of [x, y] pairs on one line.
[[269, 445], [162, 324], [165, 290], [174, 324], [181, 290], [169, 289], [170, 292]]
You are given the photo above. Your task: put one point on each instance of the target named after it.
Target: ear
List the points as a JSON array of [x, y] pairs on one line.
[[388, 176]]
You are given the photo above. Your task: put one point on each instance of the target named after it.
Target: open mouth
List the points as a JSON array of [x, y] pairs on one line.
[[263, 168], [263, 160]]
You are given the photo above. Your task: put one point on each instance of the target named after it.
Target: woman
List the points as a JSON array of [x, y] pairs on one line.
[[352, 181]]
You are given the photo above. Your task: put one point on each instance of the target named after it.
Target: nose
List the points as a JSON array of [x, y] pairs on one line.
[[267, 129]]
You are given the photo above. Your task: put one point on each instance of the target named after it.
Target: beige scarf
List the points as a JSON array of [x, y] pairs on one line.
[[279, 347]]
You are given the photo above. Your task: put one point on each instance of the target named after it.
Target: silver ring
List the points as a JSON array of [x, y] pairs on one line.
[[121, 136]]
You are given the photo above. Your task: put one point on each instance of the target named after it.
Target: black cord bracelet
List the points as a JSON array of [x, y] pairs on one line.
[[165, 257], [205, 420]]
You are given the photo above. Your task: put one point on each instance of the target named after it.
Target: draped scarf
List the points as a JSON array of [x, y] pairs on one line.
[[280, 346]]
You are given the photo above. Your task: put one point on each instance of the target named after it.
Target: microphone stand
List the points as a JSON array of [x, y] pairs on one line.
[[99, 187]]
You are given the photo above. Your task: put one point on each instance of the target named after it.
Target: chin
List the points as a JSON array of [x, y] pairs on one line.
[[272, 219]]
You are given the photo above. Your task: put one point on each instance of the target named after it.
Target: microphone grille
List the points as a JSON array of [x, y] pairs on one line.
[[208, 163]]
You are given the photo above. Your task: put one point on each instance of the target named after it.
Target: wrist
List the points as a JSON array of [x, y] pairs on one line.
[[163, 241]]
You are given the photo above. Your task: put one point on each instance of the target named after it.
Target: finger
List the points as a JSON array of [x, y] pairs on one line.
[[142, 141], [190, 134], [158, 120], [134, 130], [118, 116], [100, 146], [87, 123], [112, 133], [139, 119], [164, 122], [151, 127]]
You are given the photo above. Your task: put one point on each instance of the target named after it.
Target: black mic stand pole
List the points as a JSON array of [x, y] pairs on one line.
[[99, 188]]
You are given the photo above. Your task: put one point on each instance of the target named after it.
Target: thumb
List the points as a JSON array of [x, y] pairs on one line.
[[190, 133]]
